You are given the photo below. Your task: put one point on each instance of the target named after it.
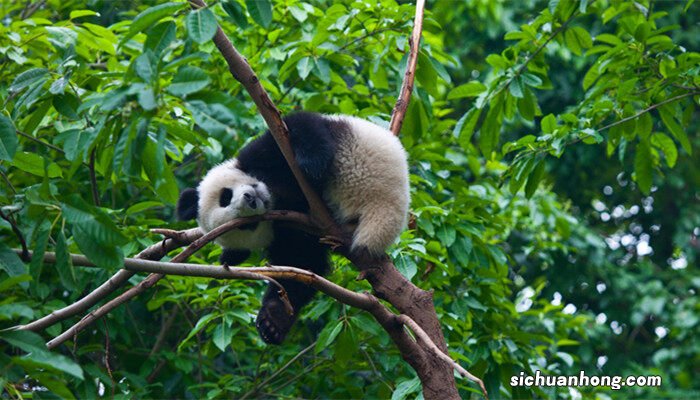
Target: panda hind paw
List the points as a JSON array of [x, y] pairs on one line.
[[274, 322]]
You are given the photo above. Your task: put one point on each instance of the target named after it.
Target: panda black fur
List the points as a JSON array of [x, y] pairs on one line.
[[359, 168]]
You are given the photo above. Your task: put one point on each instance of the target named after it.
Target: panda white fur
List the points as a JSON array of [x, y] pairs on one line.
[[358, 167]]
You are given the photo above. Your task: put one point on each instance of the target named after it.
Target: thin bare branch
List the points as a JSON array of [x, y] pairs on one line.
[[93, 179], [296, 217], [648, 109], [401, 106], [174, 240], [425, 340], [363, 301], [153, 252]]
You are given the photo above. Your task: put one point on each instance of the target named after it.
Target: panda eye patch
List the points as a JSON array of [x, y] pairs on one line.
[[225, 197]]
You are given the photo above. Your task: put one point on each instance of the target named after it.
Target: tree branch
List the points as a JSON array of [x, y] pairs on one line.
[[425, 339], [153, 252], [401, 106], [241, 71], [648, 109], [24, 254], [362, 301], [174, 240]]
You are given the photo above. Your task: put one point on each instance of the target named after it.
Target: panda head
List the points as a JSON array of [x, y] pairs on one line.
[[225, 193]]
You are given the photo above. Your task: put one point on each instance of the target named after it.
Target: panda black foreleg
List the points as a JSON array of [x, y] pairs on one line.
[[233, 257], [296, 249]]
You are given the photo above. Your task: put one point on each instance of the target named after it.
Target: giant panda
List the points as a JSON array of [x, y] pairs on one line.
[[359, 168]]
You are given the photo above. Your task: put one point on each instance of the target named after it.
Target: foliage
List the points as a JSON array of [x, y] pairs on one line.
[[555, 181]]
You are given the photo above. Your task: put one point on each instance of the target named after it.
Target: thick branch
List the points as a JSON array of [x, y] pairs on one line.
[[401, 106], [240, 69]]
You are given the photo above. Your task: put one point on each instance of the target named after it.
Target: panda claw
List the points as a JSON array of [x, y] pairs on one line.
[[334, 242]]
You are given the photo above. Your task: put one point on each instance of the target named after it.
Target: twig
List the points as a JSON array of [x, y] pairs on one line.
[[155, 251], [401, 106], [164, 329], [109, 368], [650, 108], [24, 254], [31, 8], [7, 180], [153, 278], [174, 240], [425, 339], [279, 371], [93, 179], [41, 142]]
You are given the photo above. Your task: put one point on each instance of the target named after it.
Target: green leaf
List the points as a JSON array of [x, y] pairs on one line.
[[150, 16], [531, 79], [260, 11], [147, 99], [516, 88], [75, 142], [236, 12], [469, 89], [322, 69], [201, 25], [549, 123], [33, 344], [64, 265], [8, 139], [144, 65], [490, 130], [222, 336], [328, 335], [35, 164], [201, 324], [643, 126], [461, 250], [446, 234], [464, 129], [213, 118], [665, 144], [591, 76], [67, 105], [304, 67], [643, 166], [188, 80], [609, 39], [82, 13], [406, 265], [160, 36], [576, 39], [406, 388], [667, 116], [29, 77], [534, 179], [11, 263], [528, 105]]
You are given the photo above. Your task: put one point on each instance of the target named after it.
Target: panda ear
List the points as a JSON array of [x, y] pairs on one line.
[[187, 204]]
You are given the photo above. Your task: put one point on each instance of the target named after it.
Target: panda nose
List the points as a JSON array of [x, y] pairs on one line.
[[250, 199]]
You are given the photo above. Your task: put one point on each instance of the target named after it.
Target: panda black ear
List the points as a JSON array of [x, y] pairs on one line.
[[187, 204]]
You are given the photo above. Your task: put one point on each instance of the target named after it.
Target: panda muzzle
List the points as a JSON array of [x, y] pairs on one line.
[[251, 200]]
